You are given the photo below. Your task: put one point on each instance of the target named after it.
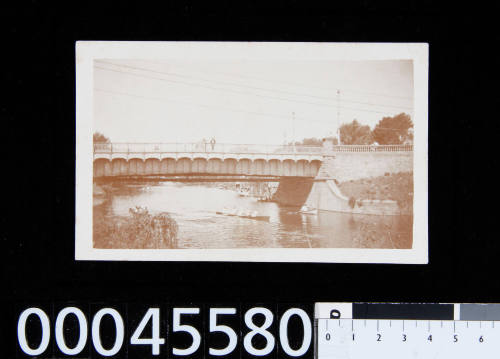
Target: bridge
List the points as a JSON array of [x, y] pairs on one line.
[[178, 160]]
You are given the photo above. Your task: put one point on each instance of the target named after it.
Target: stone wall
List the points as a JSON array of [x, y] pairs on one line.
[[345, 166], [326, 196]]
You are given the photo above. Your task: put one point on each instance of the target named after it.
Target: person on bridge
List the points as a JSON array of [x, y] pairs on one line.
[[212, 143]]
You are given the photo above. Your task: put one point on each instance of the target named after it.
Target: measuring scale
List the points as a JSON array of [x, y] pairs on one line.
[[400, 330]]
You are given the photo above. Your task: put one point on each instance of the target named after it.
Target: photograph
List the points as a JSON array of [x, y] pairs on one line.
[[299, 152]]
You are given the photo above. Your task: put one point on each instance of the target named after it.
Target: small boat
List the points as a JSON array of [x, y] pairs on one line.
[[257, 218], [308, 210], [245, 214]]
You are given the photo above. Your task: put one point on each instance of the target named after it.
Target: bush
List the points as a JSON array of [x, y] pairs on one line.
[[140, 231]]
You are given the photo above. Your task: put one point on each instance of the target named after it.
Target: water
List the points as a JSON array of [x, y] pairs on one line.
[[194, 207]]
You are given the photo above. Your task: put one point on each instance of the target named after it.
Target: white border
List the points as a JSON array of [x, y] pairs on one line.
[[87, 51]]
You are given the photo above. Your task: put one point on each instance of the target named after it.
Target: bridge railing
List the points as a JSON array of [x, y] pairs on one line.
[[202, 148], [239, 148], [372, 148]]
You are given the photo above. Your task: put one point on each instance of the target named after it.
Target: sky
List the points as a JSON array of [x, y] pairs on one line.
[[244, 102]]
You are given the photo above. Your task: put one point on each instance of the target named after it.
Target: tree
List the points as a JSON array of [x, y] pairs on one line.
[[355, 134], [313, 141], [394, 130], [100, 138]]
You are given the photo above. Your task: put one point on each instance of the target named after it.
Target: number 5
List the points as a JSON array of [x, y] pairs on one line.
[[233, 339], [178, 327]]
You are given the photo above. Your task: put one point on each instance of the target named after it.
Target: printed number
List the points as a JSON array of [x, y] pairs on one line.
[[254, 330], [328, 336], [214, 327], [178, 327], [306, 324], [155, 341], [21, 331], [96, 334], [481, 339], [379, 337], [404, 337], [429, 338], [82, 323], [455, 338]]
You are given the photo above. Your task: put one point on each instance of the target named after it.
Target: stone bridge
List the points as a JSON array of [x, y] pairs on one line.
[[306, 174], [167, 159]]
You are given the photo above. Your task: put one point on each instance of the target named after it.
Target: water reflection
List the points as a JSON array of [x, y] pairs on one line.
[[194, 207]]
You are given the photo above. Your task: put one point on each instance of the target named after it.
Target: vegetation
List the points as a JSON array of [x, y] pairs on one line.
[[100, 138], [141, 230], [397, 187], [355, 134], [394, 130], [313, 141]]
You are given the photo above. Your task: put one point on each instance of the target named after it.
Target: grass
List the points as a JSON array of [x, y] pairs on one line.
[[397, 187]]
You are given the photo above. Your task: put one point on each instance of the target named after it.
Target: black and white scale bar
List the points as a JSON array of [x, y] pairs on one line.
[[408, 311]]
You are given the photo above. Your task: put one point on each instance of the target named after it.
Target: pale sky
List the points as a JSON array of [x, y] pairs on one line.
[[246, 101]]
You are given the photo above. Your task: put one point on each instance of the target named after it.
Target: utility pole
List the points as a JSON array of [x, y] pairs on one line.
[[338, 116]]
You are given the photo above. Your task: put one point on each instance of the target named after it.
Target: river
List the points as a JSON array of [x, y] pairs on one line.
[[194, 207]]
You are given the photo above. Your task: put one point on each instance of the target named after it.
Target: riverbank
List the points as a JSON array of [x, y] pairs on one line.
[[394, 187]]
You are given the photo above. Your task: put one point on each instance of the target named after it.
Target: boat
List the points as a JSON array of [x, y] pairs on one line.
[[244, 214], [308, 210]]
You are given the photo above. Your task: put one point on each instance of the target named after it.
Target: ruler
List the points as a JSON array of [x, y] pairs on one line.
[[406, 330]]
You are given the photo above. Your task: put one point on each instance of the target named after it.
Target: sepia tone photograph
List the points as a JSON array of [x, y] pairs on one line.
[[258, 152]]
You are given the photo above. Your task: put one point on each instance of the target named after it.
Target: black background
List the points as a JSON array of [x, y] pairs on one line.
[[38, 133]]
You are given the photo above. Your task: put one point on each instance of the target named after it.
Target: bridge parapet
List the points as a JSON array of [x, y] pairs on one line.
[[237, 149]]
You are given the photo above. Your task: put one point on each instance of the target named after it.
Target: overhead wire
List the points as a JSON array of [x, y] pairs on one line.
[[250, 87], [239, 92], [297, 84], [162, 99]]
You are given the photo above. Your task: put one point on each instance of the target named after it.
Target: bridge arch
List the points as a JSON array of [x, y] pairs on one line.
[[135, 166], [199, 165], [152, 166], [275, 167], [314, 167], [230, 165], [260, 167], [183, 165], [119, 167], [102, 167], [289, 168], [215, 166], [243, 166], [168, 166]]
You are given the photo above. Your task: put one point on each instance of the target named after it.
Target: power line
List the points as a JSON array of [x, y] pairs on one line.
[[251, 87], [239, 92], [161, 99], [299, 85]]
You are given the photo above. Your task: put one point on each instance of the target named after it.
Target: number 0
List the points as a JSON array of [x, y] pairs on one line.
[[306, 341], [21, 331], [96, 332]]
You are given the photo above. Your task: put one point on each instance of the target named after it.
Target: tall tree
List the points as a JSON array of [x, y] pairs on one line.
[[355, 134], [100, 138], [393, 130]]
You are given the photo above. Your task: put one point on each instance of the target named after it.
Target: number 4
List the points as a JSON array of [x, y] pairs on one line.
[[155, 341]]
